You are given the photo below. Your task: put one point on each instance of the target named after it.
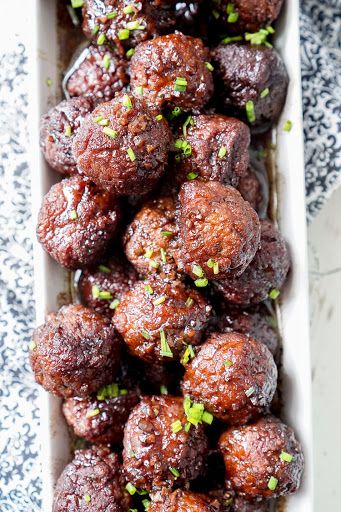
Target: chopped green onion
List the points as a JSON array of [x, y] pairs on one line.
[[149, 289], [32, 345], [101, 39], [286, 457], [128, 10], [197, 271], [134, 25], [126, 101], [123, 34], [274, 293], [287, 126], [114, 304], [149, 252], [232, 39], [103, 122], [188, 354], [160, 300], [175, 112], [222, 151], [73, 215], [68, 131], [123, 392], [270, 29], [145, 334], [163, 390], [87, 498], [48, 82], [130, 53], [201, 283], [92, 413], [138, 91], [146, 504], [111, 15], [95, 291], [110, 132], [174, 472], [188, 121], [207, 417], [163, 255], [105, 295], [104, 269], [192, 176], [232, 17], [259, 37], [97, 119], [230, 8], [77, 3], [215, 14], [272, 483], [176, 426], [131, 154], [228, 363], [209, 66], [187, 427], [166, 233], [250, 111], [108, 391], [265, 92], [131, 488], [95, 30], [165, 348], [180, 84], [106, 61], [189, 302], [154, 264], [159, 117], [250, 391]]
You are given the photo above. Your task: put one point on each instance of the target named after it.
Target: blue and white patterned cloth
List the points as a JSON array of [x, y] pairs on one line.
[[20, 479]]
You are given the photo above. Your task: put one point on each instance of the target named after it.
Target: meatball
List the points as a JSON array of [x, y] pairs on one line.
[[101, 287], [265, 275], [219, 231], [233, 375], [92, 481], [98, 73], [76, 222], [58, 129], [181, 500], [214, 148], [122, 146], [102, 417], [262, 459], [172, 72], [251, 189], [75, 352], [150, 241], [155, 455], [252, 76], [251, 14], [126, 24], [255, 323], [158, 320]]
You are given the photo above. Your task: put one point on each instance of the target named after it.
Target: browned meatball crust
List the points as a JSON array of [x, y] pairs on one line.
[[76, 222], [181, 500], [126, 23], [250, 189], [101, 419], [128, 155], [158, 319], [58, 128], [219, 231], [102, 286], [252, 73], [265, 275], [150, 241], [151, 447], [98, 73], [75, 352], [172, 71], [218, 150], [233, 375], [253, 457], [252, 14], [92, 481]]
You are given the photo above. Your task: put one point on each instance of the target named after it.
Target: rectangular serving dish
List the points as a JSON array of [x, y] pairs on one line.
[[52, 282]]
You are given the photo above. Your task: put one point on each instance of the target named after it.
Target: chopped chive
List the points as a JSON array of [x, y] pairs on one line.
[[145, 334], [97, 119], [87, 498], [189, 302], [163, 255], [154, 264], [216, 14], [250, 391], [177, 158], [216, 268], [32, 345], [265, 92], [73, 215], [114, 304], [176, 426], [101, 39], [273, 294], [131, 488], [232, 17], [272, 483], [197, 271], [77, 3], [134, 25], [159, 117], [131, 154], [192, 176], [209, 66], [95, 291], [123, 34], [138, 91], [106, 61], [163, 390], [146, 504], [188, 121], [103, 122], [111, 15], [228, 363], [92, 413], [105, 295], [270, 29], [201, 283], [287, 126], [222, 151], [286, 457], [174, 472], [187, 427], [188, 354], [130, 53], [166, 233], [104, 269], [165, 348], [110, 132], [207, 417], [108, 391], [48, 82], [230, 8], [232, 39], [128, 10], [250, 111], [149, 252], [126, 101], [160, 300], [180, 84], [149, 289], [68, 131], [175, 112], [95, 30]]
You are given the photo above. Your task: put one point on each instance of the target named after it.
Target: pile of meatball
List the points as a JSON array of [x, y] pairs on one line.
[[167, 364]]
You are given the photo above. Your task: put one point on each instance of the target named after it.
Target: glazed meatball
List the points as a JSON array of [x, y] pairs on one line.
[[218, 149], [253, 74], [101, 287], [158, 319], [155, 456], [58, 129], [76, 222], [150, 241], [172, 71], [75, 352], [256, 323], [181, 500], [98, 73], [262, 459], [233, 375], [265, 275], [251, 189], [126, 24], [219, 231], [100, 419], [92, 481], [122, 147], [251, 14]]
